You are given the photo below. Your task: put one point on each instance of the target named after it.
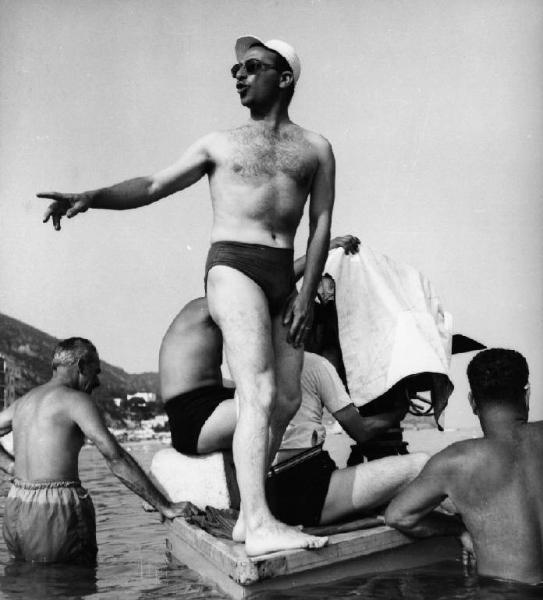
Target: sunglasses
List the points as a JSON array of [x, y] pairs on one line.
[[251, 66]]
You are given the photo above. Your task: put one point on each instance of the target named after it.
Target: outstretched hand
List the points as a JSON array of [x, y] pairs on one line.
[[299, 315], [67, 205], [349, 243]]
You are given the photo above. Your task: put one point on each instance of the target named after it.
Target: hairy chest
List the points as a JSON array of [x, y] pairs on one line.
[[255, 155]]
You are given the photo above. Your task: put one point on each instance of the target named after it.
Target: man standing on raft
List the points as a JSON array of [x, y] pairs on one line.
[[260, 176]]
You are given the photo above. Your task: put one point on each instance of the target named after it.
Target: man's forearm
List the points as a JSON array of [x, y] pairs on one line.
[[381, 422], [317, 251], [299, 267], [132, 475], [363, 429], [131, 193], [6, 460], [433, 524]]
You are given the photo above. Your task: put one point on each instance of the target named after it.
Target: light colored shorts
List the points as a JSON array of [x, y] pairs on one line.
[[50, 522]]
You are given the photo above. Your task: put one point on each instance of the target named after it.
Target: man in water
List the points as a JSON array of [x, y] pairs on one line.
[[48, 516], [260, 176], [495, 482], [306, 488]]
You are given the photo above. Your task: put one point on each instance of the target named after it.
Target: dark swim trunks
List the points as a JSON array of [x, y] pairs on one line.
[[272, 269], [296, 494], [50, 522], [188, 412]]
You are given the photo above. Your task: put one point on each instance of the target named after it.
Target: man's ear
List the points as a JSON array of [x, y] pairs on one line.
[[472, 403], [527, 391], [286, 79]]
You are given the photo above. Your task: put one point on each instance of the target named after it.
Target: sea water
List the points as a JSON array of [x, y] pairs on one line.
[[133, 563]]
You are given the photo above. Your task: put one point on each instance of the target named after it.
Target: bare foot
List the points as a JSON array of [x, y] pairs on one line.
[[274, 535]]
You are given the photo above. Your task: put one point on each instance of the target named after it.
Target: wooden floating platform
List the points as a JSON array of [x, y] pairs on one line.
[[359, 552]]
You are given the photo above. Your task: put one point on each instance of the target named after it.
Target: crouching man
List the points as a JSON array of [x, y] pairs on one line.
[[49, 517]]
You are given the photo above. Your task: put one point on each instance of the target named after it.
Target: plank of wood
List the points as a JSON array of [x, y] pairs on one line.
[[364, 523], [230, 558], [340, 547]]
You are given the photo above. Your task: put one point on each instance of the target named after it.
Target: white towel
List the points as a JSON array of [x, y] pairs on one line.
[[391, 323]]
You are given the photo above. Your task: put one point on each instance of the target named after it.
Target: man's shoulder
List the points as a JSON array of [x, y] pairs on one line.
[[533, 434], [50, 403], [65, 396], [460, 455], [317, 140], [49, 392], [195, 312], [212, 139], [536, 426]]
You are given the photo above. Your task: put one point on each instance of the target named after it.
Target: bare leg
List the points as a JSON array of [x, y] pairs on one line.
[[239, 308], [288, 367], [218, 430], [357, 489]]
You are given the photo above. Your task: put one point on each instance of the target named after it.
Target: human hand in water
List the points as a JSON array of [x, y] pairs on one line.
[[67, 205], [298, 315], [349, 243], [469, 560]]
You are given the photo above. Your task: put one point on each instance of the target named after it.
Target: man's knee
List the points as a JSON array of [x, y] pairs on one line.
[[287, 404], [260, 393]]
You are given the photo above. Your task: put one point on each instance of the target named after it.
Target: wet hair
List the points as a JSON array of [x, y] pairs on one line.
[[498, 375], [70, 351]]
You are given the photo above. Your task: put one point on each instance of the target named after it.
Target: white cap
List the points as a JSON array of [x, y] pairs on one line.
[[282, 48]]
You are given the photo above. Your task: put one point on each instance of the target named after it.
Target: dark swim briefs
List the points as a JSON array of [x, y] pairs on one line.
[[188, 412], [50, 522], [296, 494], [272, 269]]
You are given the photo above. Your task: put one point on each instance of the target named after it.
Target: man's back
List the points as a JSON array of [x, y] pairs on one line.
[[191, 351], [46, 440], [497, 487]]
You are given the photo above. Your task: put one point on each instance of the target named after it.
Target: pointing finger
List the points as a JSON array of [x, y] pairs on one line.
[[51, 195], [50, 211]]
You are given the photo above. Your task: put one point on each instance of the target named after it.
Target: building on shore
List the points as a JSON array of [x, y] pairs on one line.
[[148, 397]]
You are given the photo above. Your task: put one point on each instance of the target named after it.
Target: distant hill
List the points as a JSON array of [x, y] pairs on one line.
[[31, 350]]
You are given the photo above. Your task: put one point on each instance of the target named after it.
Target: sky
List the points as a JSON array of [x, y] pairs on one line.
[[434, 109]]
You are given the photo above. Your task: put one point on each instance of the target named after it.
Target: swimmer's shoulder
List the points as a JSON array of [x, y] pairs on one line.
[[210, 144], [535, 428], [314, 139], [533, 434], [49, 403], [219, 144], [194, 314], [227, 136], [462, 456]]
